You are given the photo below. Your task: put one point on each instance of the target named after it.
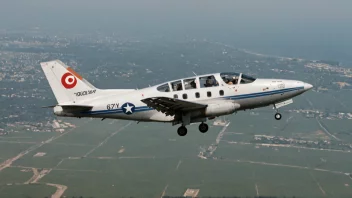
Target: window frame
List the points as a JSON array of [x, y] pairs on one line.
[[202, 84], [247, 77], [176, 81], [162, 86], [232, 75], [186, 80]]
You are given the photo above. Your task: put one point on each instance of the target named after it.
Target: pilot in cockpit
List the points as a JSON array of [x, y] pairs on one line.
[[210, 82], [179, 87], [193, 84], [233, 81], [230, 81]]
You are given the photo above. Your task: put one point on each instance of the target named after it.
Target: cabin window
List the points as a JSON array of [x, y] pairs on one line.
[[190, 83], [184, 96], [197, 95], [246, 79], [209, 94], [221, 92], [230, 78], [176, 86], [175, 96], [164, 88], [208, 81]]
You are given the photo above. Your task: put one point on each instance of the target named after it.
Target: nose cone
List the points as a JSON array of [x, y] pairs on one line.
[[307, 86]]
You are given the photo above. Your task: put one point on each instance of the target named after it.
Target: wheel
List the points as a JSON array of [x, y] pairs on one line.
[[182, 131], [278, 116], [203, 127]]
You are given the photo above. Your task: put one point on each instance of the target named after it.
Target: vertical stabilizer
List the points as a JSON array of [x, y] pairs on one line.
[[67, 85]]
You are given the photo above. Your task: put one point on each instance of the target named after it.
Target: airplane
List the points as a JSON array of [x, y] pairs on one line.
[[194, 99]]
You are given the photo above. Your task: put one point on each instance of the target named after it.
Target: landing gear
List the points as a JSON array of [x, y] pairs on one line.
[[203, 127], [278, 116], [182, 131]]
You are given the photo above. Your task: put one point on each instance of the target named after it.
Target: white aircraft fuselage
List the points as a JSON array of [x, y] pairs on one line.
[[183, 101]]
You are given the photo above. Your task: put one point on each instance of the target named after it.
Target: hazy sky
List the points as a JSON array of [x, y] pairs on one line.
[[165, 14], [247, 22]]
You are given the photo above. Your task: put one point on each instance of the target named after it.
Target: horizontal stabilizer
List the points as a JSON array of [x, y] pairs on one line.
[[73, 108], [52, 106], [73, 105]]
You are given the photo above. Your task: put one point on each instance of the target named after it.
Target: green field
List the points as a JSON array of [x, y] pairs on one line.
[[8, 149], [26, 191], [121, 158], [14, 175]]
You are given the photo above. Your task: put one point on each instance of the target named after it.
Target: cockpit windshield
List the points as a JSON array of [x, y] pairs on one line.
[[230, 78], [246, 79], [164, 88]]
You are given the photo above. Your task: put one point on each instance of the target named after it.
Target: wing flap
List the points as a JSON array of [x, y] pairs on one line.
[[170, 106]]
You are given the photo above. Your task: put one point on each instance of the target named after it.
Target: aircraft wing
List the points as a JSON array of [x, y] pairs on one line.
[[170, 106]]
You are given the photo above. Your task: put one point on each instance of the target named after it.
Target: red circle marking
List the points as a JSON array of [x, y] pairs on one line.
[[68, 80]]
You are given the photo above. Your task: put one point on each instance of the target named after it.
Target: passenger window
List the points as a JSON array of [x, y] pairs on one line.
[[164, 88], [221, 92], [184, 96], [176, 86], [208, 81], [197, 95], [209, 94], [230, 78], [246, 79], [190, 83], [175, 96]]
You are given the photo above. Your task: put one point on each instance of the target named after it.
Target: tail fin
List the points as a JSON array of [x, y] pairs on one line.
[[67, 85]]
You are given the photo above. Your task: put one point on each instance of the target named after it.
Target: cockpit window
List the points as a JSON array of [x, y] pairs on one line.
[[230, 78], [208, 81], [164, 88], [176, 86], [190, 83], [246, 79]]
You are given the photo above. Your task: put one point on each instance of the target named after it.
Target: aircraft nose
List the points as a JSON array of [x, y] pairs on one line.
[[307, 86]]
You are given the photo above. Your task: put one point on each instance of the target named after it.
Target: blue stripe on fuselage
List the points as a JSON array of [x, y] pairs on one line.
[[137, 109], [235, 97]]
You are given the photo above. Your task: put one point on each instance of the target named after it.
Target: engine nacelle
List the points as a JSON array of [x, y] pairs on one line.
[[221, 109]]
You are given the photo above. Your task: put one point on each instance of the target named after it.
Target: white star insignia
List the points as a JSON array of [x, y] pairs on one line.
[[128, 108]]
